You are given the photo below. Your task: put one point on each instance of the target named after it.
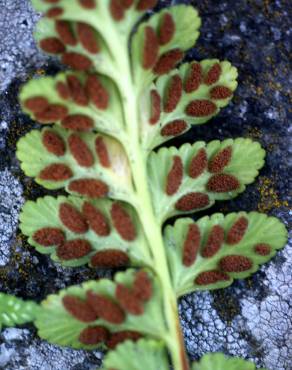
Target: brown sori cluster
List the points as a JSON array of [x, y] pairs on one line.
[[79, 222], [82, 93], [218, 182], [70, 34], [175, 88], [175, 176], [112, 310], [235, 263], [153, 40], [84, 157], [117, 8]]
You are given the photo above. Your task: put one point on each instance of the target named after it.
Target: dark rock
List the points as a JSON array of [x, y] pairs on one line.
[[253, 317]]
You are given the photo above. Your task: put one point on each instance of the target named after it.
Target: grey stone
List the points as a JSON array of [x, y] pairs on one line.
[[250, 319]]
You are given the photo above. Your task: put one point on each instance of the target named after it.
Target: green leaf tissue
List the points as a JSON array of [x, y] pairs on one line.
[[126, 92]]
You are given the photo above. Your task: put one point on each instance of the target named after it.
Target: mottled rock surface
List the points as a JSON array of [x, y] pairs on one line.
[[253, 317]]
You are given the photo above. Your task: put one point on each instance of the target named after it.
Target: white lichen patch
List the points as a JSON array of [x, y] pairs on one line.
[[18, 50], [22, 351], [11, 201], [269, 320]]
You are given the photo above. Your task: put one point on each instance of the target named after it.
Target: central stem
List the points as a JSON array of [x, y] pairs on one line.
[[145, 210], [153, 232]]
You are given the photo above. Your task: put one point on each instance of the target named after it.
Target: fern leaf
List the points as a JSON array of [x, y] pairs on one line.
[[15, 311], [159, 44], [212, 252], [193, 177], [104, 312], [219, 361], [85, 164], [76, 231], [190, 95], [145, 354]]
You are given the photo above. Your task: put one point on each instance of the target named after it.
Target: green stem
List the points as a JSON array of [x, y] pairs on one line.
[[144, 205], [152, 230]]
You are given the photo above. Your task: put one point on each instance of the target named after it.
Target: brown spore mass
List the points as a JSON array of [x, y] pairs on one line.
[[235, 263], [173, 93], [166, 29], [49, 236], [53, 113], [77, 122], [52, 45], [63, 90], [262, 249], [94, 335], [79, 309], [129, 301], [198, 164], [87, 37], [155, 107], [194, 78], [65, 32], [102, 152], [123, 222], [77, 91], [52, 1], [97, 92], [77, 61], [192, 201], [117, 10], [220, 92], [74, 249], [127, 3], [175, 176], [110, 258], [105, 308], [237, 231], [220, 160], [36, 104], [223, 182], [174, 128], [211, 277], [89, 187], [121, 336], [72, 218], [53, 143], [191, 245], [145, 4], [54, 12], [213, 74], [87, 4], [200, 108], [80, 151], [56, 172], [95, 219], [214, 241], [150, 49], [142, 287], [167, 61]]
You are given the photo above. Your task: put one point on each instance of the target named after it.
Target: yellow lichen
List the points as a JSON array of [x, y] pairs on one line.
[[269, 198]]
